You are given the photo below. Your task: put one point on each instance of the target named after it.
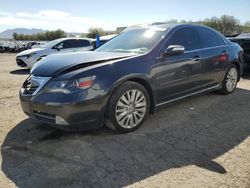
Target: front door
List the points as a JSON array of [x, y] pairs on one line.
[[179, 75]]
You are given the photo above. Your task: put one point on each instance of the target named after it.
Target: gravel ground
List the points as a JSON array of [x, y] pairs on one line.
[[200, 142]]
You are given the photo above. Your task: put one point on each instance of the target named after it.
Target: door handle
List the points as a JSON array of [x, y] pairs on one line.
[[196, 58]]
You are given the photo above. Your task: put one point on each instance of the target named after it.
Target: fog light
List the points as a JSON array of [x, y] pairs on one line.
[[60, 121]]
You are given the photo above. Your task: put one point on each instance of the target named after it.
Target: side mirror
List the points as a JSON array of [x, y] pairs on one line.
[[174, 50]]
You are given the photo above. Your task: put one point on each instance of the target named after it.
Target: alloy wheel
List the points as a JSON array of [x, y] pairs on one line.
[[231, 80], [131, 108]]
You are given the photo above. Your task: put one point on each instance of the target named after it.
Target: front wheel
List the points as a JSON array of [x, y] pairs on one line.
[[128, 107], [230, 81]]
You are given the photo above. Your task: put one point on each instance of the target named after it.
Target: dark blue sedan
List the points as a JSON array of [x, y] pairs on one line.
[[130, 76]]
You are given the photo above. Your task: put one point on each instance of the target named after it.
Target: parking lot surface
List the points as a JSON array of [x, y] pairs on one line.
[[200, 142]]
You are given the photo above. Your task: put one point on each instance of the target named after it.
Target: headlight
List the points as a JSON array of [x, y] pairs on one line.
[[30, 55], [70, 86]]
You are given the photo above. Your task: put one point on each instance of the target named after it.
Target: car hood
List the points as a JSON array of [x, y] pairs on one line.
[[26, 52], [55, 64]]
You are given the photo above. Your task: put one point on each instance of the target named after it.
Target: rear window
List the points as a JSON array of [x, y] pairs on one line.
[[209, 38]]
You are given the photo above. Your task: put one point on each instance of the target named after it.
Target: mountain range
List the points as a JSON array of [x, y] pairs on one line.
[[7, 34]]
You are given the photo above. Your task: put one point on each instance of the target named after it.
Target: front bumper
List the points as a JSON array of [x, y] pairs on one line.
[[67, 116], [25, 62]]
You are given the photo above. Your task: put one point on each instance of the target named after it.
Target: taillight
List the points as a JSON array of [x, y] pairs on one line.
[[223, 57]]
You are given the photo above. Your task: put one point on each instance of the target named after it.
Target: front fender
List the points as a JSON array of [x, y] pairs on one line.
[[130, 77], [141, 79]]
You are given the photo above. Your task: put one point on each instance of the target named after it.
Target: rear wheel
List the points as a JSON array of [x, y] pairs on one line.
[[230, 81], [128, 107]]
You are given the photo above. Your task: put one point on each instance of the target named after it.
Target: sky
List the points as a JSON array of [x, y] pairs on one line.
[[80, 15]]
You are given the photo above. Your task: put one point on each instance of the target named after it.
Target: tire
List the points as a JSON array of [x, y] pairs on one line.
[[126, 115], [230, 80]]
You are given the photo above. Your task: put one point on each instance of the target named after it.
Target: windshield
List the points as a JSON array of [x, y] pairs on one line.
[[135, 41], [51, 43]]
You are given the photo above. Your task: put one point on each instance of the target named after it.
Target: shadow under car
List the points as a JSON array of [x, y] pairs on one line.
[[36, 156]]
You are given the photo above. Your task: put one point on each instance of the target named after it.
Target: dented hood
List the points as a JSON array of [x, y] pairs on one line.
[[55, 64]]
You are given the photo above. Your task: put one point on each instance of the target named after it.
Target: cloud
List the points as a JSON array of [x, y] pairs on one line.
[[54, 13], [2, 14], [51, 20]]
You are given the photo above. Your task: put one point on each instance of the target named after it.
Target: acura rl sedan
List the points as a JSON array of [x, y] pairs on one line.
[[124, 80], [28, 58]]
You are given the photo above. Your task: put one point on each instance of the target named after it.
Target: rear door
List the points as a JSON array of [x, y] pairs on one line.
[[179, 75], [214, 56]]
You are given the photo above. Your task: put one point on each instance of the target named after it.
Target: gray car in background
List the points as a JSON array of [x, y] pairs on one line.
[[244, 41]]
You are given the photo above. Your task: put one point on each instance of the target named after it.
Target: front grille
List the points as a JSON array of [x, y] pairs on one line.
[[31, 90], [33, 84], [20, 63], [42, 116]]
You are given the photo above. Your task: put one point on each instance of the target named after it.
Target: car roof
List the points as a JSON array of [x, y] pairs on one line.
[[68, 38], [243, 35], [163, 26]]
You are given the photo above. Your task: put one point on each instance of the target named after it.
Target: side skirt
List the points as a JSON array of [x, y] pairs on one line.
[[210, 89]]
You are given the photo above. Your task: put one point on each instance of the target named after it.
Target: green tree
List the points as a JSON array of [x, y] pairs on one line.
[[184, 21], [247, 23], [227, 25], [171, 21], [15, 35], [48, 35], [21, 36], [213, 22], [94, 31]]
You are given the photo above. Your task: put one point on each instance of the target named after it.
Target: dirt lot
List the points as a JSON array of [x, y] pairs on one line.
[[200, 142]]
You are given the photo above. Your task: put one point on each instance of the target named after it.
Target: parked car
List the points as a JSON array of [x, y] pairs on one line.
[[130, 76], [2, 46], [7, 46], [38, 44], [244, 41], [10, 46], [19, 47], [28, 58], [30, 44]]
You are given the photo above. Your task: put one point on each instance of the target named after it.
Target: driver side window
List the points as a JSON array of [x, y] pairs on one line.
[[186, 37], [59, 46], [65, 44]]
